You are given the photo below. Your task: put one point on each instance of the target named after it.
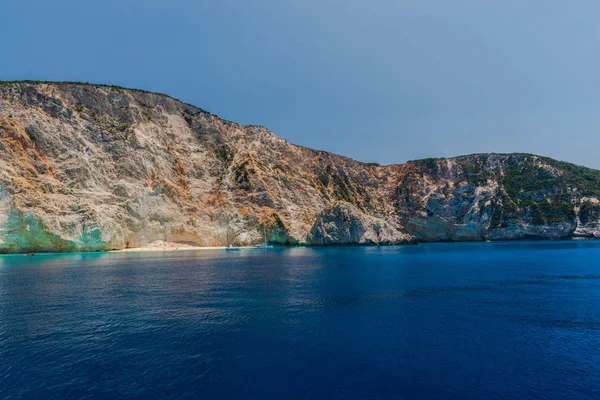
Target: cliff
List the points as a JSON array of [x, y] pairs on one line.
[[89, 167]]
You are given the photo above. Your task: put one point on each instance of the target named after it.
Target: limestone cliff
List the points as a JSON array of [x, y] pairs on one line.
[[88, 167]]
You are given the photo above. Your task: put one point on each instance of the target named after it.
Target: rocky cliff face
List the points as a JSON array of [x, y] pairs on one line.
[[87, 167]]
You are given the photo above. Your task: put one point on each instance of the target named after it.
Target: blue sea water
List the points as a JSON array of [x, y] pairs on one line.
[[435, 321]]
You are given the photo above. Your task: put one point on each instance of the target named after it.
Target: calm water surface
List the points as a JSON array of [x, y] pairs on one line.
[[487, 320]]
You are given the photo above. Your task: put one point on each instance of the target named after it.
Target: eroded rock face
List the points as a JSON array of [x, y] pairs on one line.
[[87, 167], [343, 223], [338, 224]]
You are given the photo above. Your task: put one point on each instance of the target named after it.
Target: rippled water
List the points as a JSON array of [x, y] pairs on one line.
[[499, 320]]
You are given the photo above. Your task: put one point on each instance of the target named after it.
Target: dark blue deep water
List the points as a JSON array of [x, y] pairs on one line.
[[455, 321]]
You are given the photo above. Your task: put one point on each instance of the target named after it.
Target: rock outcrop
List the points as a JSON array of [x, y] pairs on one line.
[[89, 167], [343, 223]]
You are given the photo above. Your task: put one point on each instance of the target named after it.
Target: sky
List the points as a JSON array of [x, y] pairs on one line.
[[377, 80]]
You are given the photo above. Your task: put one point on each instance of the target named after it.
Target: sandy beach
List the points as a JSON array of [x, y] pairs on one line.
[[160, 245]]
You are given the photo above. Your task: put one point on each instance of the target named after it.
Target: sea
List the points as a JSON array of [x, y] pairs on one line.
[[506, 320]]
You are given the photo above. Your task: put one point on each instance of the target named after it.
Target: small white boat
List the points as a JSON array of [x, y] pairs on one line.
[[263, 246], [257, 247], [260, 246]]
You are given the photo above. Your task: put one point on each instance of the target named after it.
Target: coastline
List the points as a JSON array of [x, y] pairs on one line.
[[161, 246]]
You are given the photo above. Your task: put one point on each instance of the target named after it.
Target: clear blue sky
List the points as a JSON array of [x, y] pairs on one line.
[[376, 80]]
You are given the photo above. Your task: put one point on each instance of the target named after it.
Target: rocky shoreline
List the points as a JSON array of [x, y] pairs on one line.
[[91, 168]]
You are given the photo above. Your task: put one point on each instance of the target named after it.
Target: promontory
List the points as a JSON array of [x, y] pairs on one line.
[[88, 167]]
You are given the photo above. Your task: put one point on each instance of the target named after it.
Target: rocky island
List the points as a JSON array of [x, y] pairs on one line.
[[90, 168]]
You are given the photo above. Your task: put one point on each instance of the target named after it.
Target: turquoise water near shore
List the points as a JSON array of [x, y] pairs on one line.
[[449, 320]]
